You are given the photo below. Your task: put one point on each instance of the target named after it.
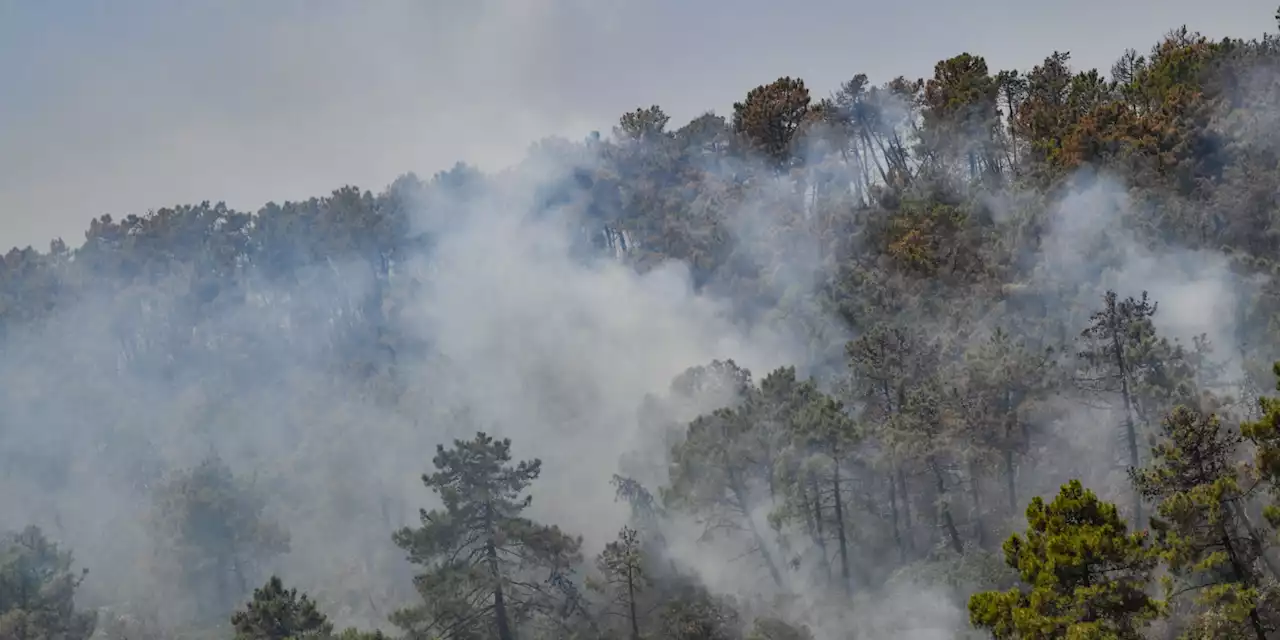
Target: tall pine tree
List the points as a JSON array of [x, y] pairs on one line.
[[487, 567], [1199, 526]]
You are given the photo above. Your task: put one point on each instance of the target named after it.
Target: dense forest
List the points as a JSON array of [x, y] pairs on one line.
[[983, 354]]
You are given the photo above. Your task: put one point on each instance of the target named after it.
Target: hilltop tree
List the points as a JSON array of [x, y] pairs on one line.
[[866, 122], [37, 590], [1043, 119], [770, 118], [1085, 575], [645, 125], [487, 567], [961, 116]]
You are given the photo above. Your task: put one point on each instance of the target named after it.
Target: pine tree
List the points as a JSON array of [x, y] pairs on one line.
[[488, 568], [770, 118], [1264, 433], [624, 578], [1116, 333], [691, 613], [1004, 378], [1086, 576], [1200, 532], [275, 613], [718, 474], [824, 428], [895, 374], [37, 590], [216, 531]]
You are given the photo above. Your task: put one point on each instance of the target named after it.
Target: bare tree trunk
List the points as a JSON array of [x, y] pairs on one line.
[[1011, 487], [844, 545], [1242, 576], [499, 601], [947, 521], [906, 510], [818, 536], [979, 530], [883, 175], [893, 513], [1257, 539], [631, 602], [1131, 431], [745, 509]]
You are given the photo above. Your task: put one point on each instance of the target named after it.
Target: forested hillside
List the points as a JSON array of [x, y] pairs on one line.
[[983, 354]]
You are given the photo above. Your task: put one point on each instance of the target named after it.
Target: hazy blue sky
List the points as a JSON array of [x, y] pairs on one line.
[[124, 106]]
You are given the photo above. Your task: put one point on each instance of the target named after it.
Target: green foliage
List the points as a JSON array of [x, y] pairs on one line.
[[1085, 575], [488, 569], [1264, 433], [37, 590], [216, 533], [1005, 384], [694, 614], [644, 125], [961, 119], [770, 119], [912, 216], [1201, 532], [356, 634], [1123, 355], [275, 613], [775, 629], [625, 579], [959, 576], [708, 476]]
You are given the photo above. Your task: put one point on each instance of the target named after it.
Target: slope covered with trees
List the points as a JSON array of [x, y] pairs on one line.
[[983, 354]]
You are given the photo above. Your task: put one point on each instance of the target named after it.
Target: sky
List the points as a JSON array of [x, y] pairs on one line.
[[131, 105]]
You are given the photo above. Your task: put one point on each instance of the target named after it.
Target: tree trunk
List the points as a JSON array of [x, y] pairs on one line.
[[1257, 539], [1010, 483], [745, 509], [1242, 576], [893, 514], [499, 601], [631, 602], [1010, 470], [947, 521], [979, 531], [840, 532], [1131, 432], [818, 536], [883, 176], [906, 511]]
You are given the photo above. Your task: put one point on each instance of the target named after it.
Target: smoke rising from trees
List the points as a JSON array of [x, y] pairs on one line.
[[794, 372]]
